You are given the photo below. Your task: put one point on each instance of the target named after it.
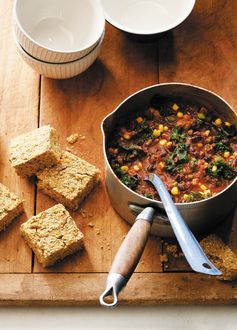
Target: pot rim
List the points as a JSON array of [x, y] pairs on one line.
[[159, 203]]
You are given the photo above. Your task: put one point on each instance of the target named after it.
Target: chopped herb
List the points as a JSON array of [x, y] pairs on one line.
[[193, 163], [222, 170], [219, 136], [178, 135], [229, 130], [199, 122], [170, 166], [143, 131], [220, 146], [181, 152], [177, 158], [130, 181], [132, 151], [195, 196], [149, 196]]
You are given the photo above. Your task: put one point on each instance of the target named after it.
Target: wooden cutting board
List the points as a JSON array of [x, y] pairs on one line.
[[201, 51]]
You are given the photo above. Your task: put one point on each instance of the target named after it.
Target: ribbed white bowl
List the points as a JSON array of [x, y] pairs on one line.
[[60, 70], [58, 31]]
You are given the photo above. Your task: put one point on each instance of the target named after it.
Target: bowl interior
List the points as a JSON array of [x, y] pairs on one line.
[[146, 16], [61, 25], [36, 61]]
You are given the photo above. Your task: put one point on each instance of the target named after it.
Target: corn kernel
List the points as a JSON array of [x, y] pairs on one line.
[[180, 114], [175, 191], [156, 132], [207, 133], [190, 132], [175, 107], [166, 128], [200, 145], [201, 116], [161, 128], [185, 196], [124, 168], [214, 168], [127, 136], [205, 165], [207, 193], [218, 122], [203, 187], [195, 181], [161, 165], [227, 124], [163, 142], [139, 119], [226, 154], [169, 144], [136, 168], [140, 165]]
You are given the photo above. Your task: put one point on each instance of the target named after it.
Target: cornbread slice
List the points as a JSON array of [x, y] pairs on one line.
[[10, 207], [70, 181], [52, 235], [221, 256], [34, 150]]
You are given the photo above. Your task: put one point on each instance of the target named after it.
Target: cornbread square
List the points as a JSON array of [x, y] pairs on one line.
[[221, 256], [70, 181], [10, 207], [34, 150], [52, 235]]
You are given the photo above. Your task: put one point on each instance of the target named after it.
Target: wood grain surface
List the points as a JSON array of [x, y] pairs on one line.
[[201, 51]]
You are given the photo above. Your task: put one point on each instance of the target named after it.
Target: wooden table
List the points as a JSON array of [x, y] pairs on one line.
[[201, 51]]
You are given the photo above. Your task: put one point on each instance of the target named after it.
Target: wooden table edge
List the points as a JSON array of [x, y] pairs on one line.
[[143, 289]]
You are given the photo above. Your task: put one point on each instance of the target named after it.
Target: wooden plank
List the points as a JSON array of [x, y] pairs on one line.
[[79, 105], [202, 51], [143, 288], [19, 87]]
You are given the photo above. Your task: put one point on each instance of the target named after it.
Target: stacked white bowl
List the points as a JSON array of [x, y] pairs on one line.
[[58, 38]]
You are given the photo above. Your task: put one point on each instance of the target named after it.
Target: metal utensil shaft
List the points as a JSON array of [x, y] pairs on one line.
[[192, 250]]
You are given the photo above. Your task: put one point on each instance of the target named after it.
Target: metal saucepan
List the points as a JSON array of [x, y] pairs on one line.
[[200, 216]]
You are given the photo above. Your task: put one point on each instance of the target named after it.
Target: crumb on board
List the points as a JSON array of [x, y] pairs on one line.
[[91, 224], [171, 249], [164, 258], [221, 256], [83, 213], [73, 138]]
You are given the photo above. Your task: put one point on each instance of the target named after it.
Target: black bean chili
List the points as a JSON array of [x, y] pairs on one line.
[[192, 150]]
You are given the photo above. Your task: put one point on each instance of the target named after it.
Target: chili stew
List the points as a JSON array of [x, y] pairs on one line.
[[187, 145]]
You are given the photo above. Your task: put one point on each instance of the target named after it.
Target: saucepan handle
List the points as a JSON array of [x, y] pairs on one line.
[[127, 257]]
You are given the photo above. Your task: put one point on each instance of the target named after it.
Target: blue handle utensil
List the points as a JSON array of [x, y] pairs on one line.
[[192, 250]]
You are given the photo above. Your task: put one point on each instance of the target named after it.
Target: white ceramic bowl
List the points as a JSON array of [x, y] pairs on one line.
[[58, 31], [146, 17], [60, 70]]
